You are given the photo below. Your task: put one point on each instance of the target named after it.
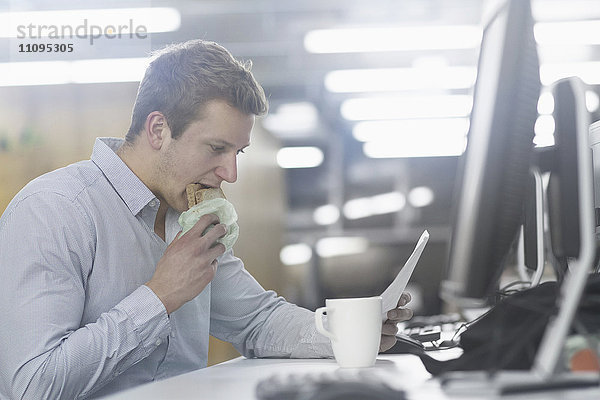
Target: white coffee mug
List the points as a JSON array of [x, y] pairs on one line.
[[354, 329]]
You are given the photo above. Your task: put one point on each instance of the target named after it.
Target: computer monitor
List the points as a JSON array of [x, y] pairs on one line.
[[571, 213], [492, 187], [494, 170]]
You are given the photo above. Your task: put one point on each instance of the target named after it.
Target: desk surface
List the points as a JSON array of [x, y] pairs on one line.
[[237, 379]]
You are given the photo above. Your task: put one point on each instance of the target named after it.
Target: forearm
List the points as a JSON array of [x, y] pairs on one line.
[[91, 356], [258, 322], [290, 332]]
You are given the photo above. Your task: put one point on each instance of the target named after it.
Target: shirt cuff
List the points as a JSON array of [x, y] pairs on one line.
[[149, 317]]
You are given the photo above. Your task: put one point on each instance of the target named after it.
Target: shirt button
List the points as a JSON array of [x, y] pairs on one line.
[[172, 334], [158, 342], [153, 203]]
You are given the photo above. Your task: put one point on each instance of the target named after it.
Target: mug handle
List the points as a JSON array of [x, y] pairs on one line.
[[319, 323]]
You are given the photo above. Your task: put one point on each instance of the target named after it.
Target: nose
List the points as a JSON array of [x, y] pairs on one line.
[[227, 170]]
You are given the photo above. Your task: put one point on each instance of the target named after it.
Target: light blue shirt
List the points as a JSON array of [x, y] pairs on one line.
[[76, 321]]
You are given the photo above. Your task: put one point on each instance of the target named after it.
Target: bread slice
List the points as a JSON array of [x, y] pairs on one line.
[[190, 190], [196, 194]]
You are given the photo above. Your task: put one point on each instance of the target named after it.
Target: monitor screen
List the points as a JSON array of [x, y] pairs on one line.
[[494, 170]]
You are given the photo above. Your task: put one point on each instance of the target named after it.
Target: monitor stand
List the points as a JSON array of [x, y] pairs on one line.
[[544, 374], [538, 217]]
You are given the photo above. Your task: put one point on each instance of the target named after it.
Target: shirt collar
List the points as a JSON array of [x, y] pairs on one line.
[[128, 186]]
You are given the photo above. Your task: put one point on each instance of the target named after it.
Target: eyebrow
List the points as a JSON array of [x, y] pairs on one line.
[[226, 143]]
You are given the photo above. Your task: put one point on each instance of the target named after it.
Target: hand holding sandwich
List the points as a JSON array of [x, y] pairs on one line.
[[188, 264]]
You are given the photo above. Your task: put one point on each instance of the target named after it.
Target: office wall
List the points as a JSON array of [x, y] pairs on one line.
[[46, 127]]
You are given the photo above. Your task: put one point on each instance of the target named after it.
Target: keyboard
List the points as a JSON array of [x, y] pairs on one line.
[[340, 384], [432, 328]]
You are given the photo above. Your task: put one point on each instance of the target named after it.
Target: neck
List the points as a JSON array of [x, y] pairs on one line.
[[160, 221], [138, 162]]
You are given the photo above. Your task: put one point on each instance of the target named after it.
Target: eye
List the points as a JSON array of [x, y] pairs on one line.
[[217, 149]]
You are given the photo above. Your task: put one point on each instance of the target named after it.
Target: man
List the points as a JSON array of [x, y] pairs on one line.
[[100, 291]]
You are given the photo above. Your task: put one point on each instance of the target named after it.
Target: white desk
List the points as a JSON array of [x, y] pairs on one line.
[[236, 379]]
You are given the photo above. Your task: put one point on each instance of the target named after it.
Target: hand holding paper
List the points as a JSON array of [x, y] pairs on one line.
[[392, 294]]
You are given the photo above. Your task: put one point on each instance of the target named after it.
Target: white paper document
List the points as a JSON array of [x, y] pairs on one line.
[[391, 295]]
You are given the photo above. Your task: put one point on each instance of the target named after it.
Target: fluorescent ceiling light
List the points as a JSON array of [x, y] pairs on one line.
[[420, 196], [35, 73], [424, 144], [350, 40], [545, 103], [545, 10], [372, 131], [292, 118], [589, 72], [79, 71], [295, 254], [406, 107], [341, 246], [109, 70], [592, 101], [363, 207], [567, 32], [326, 215], [299, 157], [159, 19], [544, 131], [397, 79]]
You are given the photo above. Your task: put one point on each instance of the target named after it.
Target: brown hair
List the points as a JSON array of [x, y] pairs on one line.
[[183, 77]]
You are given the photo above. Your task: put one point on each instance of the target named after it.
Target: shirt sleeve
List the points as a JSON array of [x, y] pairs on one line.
[[46, 246], [258, 322]]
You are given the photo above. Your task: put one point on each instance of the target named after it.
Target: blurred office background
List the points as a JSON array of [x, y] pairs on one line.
[[369, 107]]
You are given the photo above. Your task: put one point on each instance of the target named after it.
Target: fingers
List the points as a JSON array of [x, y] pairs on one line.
[[405, 298], [389, 328], [387, 342], [216, 251], [207, 228], [400, 314], [203, 222], [215, 233]]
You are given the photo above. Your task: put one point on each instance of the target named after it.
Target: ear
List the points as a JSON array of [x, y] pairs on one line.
[[156, 129]]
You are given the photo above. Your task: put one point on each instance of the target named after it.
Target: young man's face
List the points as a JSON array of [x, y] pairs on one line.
[[205, 153]]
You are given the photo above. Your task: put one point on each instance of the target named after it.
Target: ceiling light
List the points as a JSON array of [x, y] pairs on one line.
[[396, 79], [424, 144], [340, 246], [406, 107], [292, 118], [378, 39], [326, 215], [79, 22], [592, 101], [80, 71], [372, 131], [589, 72], [295, 254], [567, 32], [299, 157], [420, 196], [561, 10], [35, 73], [544, 131], [545, 103], [376, 205], [109, 70]]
